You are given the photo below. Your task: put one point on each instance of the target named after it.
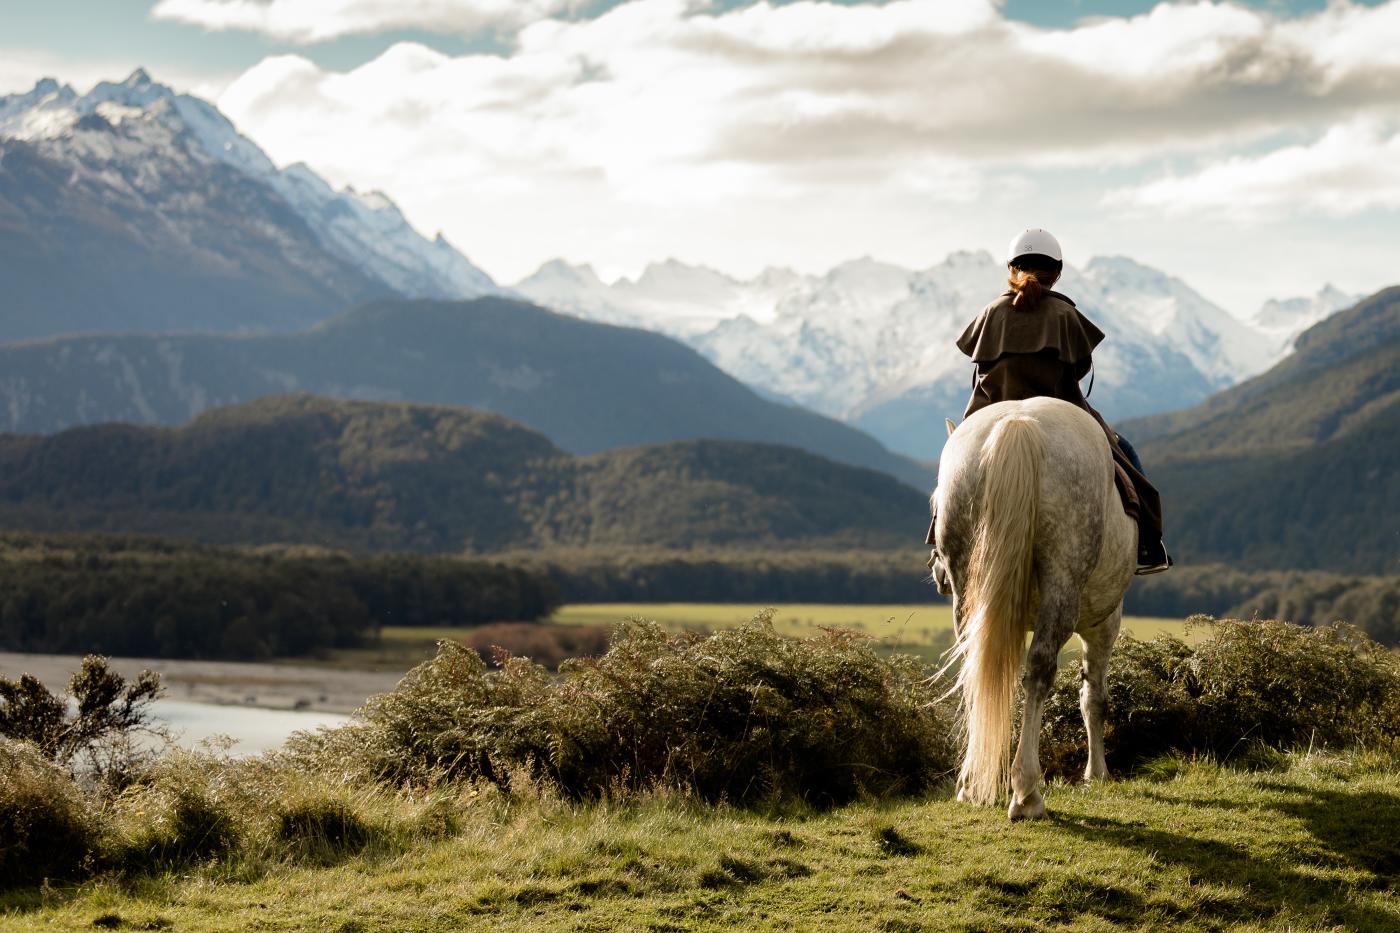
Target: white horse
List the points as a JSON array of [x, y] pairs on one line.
[[1030, 536]]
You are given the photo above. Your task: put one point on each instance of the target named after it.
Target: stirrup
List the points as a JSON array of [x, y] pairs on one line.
[[1147, 569]]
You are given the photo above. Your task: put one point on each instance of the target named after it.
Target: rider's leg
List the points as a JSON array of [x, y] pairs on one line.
[[1152, 550], [1132, 453]]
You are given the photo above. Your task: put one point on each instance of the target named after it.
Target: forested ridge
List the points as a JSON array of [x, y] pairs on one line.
[[381, 476]]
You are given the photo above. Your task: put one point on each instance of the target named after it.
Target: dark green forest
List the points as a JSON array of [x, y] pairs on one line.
[[1307, 597], [144, 597], [774, 576]]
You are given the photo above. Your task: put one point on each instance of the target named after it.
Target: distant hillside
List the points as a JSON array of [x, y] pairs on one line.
[[1299, 467], [588, 387], [382, 476]]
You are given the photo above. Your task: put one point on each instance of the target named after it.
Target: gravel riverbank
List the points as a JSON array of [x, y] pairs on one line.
[[270, 686]]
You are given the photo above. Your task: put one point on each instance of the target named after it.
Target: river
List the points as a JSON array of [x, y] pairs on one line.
[[252, 729]]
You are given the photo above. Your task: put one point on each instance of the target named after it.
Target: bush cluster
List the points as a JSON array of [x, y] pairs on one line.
[[179, 812], [1251, 685], [742, 715], [91, 727]]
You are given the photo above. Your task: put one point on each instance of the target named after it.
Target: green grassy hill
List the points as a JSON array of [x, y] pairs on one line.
[[1299, 467], [587, 387], [393, 476], [744, 781], [1211, 849]]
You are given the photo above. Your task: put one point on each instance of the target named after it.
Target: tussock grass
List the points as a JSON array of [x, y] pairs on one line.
[[1310, 846], [47, 829]]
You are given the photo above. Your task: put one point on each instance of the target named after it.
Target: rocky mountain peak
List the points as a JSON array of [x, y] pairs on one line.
[[365, 230]]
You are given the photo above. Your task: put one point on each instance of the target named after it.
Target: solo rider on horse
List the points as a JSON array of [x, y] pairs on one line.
[[1033, 341]]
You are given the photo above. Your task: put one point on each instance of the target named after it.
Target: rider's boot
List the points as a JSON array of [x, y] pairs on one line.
[[1152, 557]]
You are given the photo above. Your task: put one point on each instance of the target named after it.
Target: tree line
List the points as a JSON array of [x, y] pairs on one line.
[[775, 576], [146, 597], [138, 596]]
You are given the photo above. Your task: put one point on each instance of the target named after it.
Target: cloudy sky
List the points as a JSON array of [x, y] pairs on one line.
[[1252, 149]]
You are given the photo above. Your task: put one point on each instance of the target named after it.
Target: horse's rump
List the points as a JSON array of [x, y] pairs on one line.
[[1026, 500]]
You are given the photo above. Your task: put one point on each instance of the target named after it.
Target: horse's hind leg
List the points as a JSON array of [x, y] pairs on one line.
[[1059, 609], [1093, 692]]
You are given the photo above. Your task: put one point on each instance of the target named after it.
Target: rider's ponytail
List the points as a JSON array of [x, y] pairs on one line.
[[1027, 286], [1031, 277]]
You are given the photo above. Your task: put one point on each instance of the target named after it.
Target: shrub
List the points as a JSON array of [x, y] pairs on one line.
[[1251, 687], [46, 828], [544, 644], [1288, 685], [743, 715], [107, 713]]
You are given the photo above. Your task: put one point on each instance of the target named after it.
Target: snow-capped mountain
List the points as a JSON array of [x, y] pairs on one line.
[[669, 296], [1284, 319], [171, 175], [1221, 347], [873, 343]]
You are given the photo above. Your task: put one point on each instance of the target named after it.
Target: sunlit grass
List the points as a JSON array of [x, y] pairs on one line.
[[1308, 846], [923, 630], [906, 623]]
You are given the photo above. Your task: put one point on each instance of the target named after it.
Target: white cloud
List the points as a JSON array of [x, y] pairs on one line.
[[653, 92], [1351, 169], [306, 21], [807, 132]]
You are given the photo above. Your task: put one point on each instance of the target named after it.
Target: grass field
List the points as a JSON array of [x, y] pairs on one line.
[[907, 624], [1310, 846], [924, 630]]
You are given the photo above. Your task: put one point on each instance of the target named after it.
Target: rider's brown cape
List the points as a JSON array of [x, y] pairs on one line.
[[1053, 344], [1046, 350]]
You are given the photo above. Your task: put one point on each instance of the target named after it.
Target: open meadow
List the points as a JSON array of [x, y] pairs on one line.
[[921, 630]]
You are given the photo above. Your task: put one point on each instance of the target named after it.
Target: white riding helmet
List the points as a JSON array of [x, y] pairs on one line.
[[1034, 241]]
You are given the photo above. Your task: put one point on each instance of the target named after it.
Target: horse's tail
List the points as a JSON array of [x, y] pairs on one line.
[[997, 602]]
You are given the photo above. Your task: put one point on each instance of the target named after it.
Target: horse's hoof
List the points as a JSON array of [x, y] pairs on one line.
[[1032, 808]]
